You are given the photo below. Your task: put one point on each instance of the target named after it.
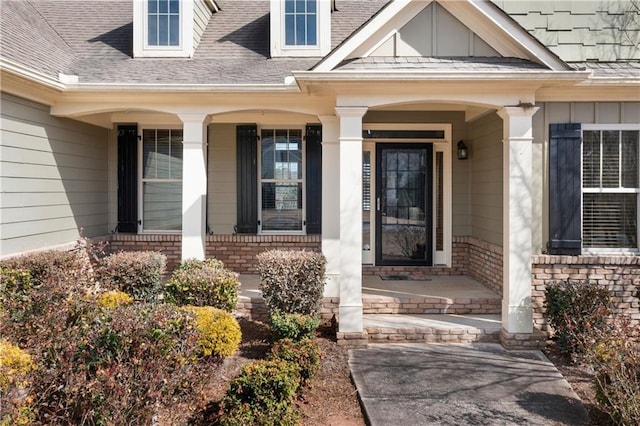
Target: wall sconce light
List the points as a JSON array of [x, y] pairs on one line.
[[463, 151]]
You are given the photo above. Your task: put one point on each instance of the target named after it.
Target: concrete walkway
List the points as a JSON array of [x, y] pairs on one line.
[[461, 384]]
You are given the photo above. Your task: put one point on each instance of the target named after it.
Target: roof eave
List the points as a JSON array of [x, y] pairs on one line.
[[412, 75]]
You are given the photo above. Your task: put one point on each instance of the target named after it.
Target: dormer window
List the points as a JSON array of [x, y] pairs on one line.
[[163, 23], [300, 27], [169, 28], [301, 22]]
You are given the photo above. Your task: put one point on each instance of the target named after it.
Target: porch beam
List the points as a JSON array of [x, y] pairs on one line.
[[517, 312], [350, 189], [194, 185], [331, 202]]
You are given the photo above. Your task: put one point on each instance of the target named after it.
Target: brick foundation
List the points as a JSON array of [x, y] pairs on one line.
[[485, 263], [620, 274], [520, 341], [237, 252]]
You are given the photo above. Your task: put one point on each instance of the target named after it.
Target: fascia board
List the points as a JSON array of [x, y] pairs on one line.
[[174, 88], [471, 76], [30, 74]]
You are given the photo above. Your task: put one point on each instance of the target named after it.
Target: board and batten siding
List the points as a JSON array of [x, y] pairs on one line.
[[485, 178], [568, 112], [53, 178], [434, 32], [222, 179]]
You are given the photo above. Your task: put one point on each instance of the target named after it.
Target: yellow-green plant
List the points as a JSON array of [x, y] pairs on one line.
[[219, 332], [15, 364], [111, 299]]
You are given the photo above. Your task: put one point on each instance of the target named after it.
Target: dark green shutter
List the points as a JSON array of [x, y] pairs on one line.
[[128, 179], [314, 178], [565, 189], [247, 163]]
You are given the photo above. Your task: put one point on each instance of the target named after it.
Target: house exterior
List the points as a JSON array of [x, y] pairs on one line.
[[224, 128]]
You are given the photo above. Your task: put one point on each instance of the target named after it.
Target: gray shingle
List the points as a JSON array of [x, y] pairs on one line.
[[441, 64]]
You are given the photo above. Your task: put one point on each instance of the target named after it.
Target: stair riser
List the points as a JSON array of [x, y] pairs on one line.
[[384, 335]]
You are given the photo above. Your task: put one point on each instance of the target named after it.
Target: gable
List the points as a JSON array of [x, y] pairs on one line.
[[435, 32], [440, 28]]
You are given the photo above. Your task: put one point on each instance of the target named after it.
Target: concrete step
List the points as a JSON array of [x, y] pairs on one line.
[[417, 305], [441, 328]]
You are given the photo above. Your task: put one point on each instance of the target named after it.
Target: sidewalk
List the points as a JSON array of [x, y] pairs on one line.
[[458, 384]]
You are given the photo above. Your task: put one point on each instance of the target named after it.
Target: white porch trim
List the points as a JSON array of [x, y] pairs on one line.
[[331, 202], [350, 189], [194, 185], [517, 311]]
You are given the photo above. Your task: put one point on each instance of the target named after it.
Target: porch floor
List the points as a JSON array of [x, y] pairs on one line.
[[373, 287]]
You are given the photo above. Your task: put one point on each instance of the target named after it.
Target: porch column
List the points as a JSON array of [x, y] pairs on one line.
[[331, 202], [517, 313], [350, 218], [194, 185]]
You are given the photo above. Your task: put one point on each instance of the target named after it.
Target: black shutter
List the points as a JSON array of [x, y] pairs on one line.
[[127, 179], [314, 178], [247, 163], [565, 188]]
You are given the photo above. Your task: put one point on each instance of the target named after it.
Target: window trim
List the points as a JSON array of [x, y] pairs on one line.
[[142, 49], [302, 181], [316, 45], [279, 48], [142, 179], [619, 127]]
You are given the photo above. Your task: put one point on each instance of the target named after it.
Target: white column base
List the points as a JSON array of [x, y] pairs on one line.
[[517, 319], [350, 319]]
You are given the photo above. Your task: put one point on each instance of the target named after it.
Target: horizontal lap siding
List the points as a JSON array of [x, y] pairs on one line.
[[486, 178], [222, 178], [53, 178]]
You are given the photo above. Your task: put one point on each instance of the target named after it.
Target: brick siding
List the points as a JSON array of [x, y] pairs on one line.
[[620, 274], [237, 252]]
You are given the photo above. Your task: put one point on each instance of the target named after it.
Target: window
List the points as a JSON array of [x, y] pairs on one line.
[[610, 187], [161, 180], [281, 180], [301, 22], [163, 22]]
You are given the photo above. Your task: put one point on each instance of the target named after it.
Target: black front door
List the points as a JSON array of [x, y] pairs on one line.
[[404, 204]]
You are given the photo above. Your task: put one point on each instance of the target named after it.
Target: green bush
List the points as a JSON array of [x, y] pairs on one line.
[[113, 366], [574, 308], [305, 354], [262, 392], [71, 266], [219, 332], [137, 273], [247, 414], [614, 354], [203, 283], [292, 281], [293, 326]]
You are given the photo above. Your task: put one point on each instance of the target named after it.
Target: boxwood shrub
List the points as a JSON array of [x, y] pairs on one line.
[[293, 326], [219, 332], [292, 281], [137, 273], [203, 283], [305, 354]]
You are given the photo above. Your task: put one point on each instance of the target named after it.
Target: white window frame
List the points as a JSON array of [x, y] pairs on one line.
[[142, 49], [142, 179], [303, 180], [605, 250], [279, 48]]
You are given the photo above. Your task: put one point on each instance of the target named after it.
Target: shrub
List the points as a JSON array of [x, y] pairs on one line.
[[219, 332], [263, 392], [305, 354], [72, 266], [247, 414], [15, 368], [614, 354], [573, 308], [114, 366], [111, 299], [203, 283], [292, 281], [293, 326], [137, 273]]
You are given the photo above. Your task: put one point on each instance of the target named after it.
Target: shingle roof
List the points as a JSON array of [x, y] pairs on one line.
[[469, 64], [620, 69], [93, 40]]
